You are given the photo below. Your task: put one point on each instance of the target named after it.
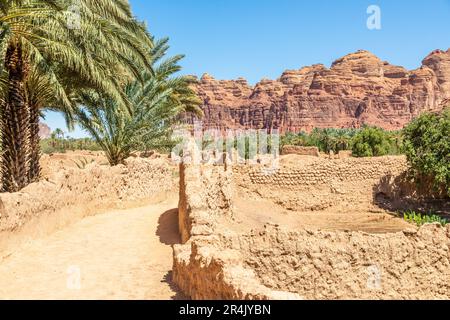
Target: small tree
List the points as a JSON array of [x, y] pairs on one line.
[[371, 142], [427, 146]]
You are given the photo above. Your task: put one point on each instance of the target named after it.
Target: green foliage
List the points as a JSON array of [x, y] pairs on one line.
[[365, 142], [420, 220], [103, 41], [48, 56], [325, 139], [56, 144], [155, 100], [373, 142], [427, 146]]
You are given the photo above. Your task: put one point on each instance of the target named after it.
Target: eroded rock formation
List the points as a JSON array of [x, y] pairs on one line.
[[44, 131], [358, 89]]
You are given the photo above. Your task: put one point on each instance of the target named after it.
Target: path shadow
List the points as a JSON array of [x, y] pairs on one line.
[[400, 193], [167, 230], [178, 295]]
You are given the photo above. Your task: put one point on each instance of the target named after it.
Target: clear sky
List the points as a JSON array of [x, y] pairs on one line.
[[258, 39]]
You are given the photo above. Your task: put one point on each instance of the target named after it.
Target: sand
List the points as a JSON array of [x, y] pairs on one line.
[[124, 254]]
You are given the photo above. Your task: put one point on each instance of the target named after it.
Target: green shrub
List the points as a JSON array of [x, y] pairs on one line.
[[372, 142], [325, 139], [420, 220], [365, 142], [60, 145], [427, 146]]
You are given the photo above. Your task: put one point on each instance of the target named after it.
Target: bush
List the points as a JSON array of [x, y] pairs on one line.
[[420, 220], [325, 139], [365, 142], [373, 142], [59, 145], [427, 147]]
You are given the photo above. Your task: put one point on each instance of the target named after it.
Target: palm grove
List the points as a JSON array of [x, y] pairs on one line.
[[95, 63]]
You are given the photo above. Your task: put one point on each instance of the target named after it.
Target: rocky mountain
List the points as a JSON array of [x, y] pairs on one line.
[[44, 131], [357, 89]]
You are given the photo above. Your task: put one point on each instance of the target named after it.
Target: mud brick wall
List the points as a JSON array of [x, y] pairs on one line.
[[70, 194], [302, 151], [275, 263], [328, 171], [203, 268], [205, 192], [414, 264]]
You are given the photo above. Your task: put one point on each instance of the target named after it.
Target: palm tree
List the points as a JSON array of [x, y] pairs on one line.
[[40, 50], [53, 138], [342, 139], [59, 133], [154, 105]]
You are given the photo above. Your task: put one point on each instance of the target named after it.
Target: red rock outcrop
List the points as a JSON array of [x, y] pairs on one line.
[[44, 131], [358, 89]]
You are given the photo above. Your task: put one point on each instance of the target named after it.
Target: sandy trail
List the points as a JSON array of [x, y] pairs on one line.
[[122, 254]]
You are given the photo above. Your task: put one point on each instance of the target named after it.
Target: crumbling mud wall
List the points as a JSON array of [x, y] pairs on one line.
[[203, 268], [327, 172], [402, 192], [279, 262], [205, 193], [69, 194], [413, 264], [302, 151], [316, 184]]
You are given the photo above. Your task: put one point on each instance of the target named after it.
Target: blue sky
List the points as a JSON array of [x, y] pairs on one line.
[[258, 39]]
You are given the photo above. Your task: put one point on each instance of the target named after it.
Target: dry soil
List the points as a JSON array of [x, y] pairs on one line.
[[122, 254]]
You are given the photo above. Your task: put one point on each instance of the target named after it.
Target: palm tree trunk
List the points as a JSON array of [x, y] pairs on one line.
[[14, 121], [34, 168]]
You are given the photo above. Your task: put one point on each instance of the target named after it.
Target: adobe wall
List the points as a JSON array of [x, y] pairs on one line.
[[324, 171], [302, 151], [352, 265], [205, 193], [277, 263], [203, 268], [68, 194], [315, 184]]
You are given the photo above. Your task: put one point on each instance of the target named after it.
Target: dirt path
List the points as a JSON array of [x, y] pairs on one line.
[[117, 255]]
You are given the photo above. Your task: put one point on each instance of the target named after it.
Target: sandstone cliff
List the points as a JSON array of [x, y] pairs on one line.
[[358, 89], [44, 131]]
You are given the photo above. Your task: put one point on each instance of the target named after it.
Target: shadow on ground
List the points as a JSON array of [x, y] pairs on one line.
[[167, 230], [168, 234], [400, 193], [168, 278]]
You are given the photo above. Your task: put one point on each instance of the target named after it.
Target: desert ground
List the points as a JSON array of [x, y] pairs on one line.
[[120, 254], [119, 251]]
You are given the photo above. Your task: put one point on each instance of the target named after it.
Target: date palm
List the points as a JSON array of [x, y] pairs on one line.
[[154, 106], [50, 54], [59, 133]]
